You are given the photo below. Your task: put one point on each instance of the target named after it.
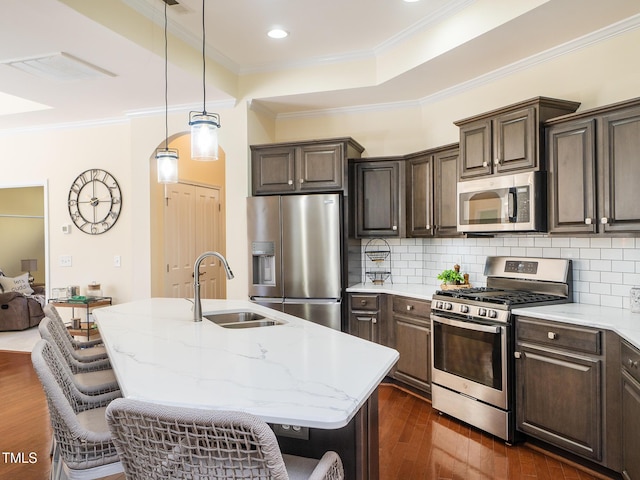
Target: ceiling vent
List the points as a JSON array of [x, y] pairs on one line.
[[59, 66]]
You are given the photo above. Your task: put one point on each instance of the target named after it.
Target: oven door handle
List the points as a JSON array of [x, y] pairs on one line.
[[468, 325]]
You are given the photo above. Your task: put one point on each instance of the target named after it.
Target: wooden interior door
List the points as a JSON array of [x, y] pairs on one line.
[[207, 238], [192, 225]]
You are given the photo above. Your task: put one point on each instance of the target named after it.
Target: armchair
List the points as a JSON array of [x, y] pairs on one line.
[[18, 312]]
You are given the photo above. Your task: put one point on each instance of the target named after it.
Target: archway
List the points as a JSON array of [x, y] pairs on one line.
[[196, 226]]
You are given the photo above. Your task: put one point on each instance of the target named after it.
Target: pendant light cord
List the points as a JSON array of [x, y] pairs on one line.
[[166, 83], [204, 84]]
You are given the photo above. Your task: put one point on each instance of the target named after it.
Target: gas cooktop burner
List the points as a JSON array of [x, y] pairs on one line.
[[500, 296]]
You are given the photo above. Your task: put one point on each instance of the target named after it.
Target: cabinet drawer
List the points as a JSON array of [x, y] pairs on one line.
[[559, 335], [411, 306], [630, 359], [364, 302]]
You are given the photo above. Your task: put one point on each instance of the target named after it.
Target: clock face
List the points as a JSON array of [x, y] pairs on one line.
[[95, 201]]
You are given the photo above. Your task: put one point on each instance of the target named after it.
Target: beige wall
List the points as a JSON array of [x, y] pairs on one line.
[[606, 72], [603, 73]]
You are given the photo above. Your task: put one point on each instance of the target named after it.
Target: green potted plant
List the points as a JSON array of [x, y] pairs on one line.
[[450, 277]]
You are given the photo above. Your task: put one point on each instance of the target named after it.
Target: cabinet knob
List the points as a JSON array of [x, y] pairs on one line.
[[394, 228], [587, 221], [632, 363], [485, 164], [363, 302], [552, 335], [302, 180], [604, 220], [428, 227], [409, 308], [517, 354], [496, 161], [290, 182]]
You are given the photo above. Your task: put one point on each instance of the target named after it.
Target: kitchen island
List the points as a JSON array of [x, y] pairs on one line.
[[295, 374]]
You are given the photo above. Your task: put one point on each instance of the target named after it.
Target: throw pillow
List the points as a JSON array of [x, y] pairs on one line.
[[18, 284]]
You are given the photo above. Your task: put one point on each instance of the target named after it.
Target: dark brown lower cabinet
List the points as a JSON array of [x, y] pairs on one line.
[[568, 389], [559, 399], [412, 338], [366, 317], [630, 358]]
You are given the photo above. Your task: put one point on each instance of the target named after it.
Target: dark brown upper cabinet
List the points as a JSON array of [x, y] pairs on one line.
[[379, 197], [296, 167], [431, 192], [508, 139], [594, 170]]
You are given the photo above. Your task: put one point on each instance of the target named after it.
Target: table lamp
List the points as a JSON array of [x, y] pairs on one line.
[[29, 265]]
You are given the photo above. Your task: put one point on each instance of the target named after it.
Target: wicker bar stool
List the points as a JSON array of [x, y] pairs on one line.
[[52, 312], [83, 448], [157, 442], [84, 355], [51, 332], [90, 378]]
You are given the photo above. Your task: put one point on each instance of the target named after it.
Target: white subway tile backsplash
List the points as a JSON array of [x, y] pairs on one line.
[[623, 242], [580, 242], [622, 266], [604, 268], [601, 265]]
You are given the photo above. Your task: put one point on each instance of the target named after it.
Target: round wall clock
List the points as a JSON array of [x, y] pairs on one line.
[[95, 201]]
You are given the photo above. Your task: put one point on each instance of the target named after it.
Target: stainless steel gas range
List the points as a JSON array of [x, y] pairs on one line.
[[472, 339]]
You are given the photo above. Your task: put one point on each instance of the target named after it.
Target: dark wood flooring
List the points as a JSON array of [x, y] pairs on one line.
[[415, 441]]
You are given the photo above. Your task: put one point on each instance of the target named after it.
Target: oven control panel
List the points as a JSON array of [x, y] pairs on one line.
[[521, 266], [470, 311]]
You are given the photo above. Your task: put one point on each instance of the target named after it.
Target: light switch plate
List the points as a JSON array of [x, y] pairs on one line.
[[64, 260]]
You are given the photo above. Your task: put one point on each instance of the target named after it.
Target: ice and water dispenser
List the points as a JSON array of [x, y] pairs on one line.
[[263, 263]]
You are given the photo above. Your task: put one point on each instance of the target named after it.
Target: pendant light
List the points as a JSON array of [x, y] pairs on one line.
[[167, 158], [204, 125]]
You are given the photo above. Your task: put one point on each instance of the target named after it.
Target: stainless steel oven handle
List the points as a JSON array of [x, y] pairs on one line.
[[468, 325]]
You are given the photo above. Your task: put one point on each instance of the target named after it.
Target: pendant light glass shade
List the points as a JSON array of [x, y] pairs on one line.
[[204, 126], [204, 136], [166, 158], [167, 165]]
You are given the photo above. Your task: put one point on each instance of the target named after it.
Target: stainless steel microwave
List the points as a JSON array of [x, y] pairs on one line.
[[507, 203]]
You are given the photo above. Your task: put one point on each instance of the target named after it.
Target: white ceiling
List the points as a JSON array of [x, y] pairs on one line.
[[342, 53]]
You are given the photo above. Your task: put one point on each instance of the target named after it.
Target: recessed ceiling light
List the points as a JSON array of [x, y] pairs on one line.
[[411, 1], [278, 33]]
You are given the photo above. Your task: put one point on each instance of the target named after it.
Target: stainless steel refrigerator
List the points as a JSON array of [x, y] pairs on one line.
[[296, 245]]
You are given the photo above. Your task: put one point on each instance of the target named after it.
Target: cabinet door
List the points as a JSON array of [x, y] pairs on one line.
[[515, 142], [420, 197], [630, 427], [620, 172], [413, 342], [320, 167], [364, 325], [445, 216], [475, 149], [378, 199], [572, 187], [273, 170], [559, 399]]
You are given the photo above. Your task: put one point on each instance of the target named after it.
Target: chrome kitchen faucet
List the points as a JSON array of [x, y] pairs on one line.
[[197, 304]]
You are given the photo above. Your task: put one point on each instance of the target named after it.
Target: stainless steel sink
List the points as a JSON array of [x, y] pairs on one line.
[[241, 320]]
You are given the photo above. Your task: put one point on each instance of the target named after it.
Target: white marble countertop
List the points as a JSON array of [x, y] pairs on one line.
[[300, 373], [619, 320], [424, 292]]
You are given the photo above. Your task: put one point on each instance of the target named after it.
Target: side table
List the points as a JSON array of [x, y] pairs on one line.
[[87, 303]]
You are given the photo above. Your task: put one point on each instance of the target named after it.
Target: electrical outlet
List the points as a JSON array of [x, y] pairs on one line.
[[64, 260], [116, 261]]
